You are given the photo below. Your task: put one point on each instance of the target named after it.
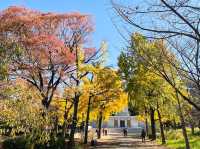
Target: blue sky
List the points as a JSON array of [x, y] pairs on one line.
[[99, 9]]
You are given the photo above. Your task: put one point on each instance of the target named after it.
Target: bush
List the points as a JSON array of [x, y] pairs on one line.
[[25, 143], [15, 143]]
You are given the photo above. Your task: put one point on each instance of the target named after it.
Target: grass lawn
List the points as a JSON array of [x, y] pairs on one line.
[[175, 139]]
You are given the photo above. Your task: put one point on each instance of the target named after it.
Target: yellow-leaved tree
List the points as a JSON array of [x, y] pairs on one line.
[[151, 82]]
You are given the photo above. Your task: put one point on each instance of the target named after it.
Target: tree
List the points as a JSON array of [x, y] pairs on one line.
[[84, 66], [21, 114], [178, 23], [102, 93], [146, 80], [111, 101], [46, 43]]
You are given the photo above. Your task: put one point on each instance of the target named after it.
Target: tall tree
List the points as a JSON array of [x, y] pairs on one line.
[[147, 62], [84, 67], [100, 91], [178, 23], [21, 113], [47, 43]]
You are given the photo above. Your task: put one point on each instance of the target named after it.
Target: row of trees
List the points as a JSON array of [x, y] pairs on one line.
[[148, 90], [166, 56], [50, 54]]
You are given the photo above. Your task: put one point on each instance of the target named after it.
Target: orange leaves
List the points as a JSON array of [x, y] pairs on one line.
[[51, 46], [47, 37], [44, 33], [45, 47]]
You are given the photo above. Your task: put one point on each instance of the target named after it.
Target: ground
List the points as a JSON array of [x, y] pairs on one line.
[[117, 141]]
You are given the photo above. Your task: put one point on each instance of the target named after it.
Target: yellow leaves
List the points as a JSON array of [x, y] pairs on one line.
[[115, 103], [23, 108], [141, 118], [105, 87], [87, 68], [150, 62]]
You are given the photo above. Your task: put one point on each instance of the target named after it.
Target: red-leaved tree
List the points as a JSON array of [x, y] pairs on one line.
[[45, 45]]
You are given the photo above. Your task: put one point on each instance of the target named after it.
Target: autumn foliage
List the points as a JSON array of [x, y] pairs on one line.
[[46, 44], [51, 56]]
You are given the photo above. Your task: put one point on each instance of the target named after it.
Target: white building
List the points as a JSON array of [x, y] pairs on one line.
[[122, 120]]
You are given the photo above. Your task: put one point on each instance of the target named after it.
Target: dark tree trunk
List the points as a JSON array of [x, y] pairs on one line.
[[187, 144], [45, 102], [65, 120], [161, 128], [153, 125], [71, 144], [146, 127], [100, 123], [87, 121], [56, 125], [192, 127], [174, 124], [146, 123], [64, 128], [50, 93]]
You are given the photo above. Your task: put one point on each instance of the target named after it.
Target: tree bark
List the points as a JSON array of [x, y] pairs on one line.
[[87, 121], [146, 123], [153, 125], [187, 144], [146, 127], [174, 124], [192, 127], [161, 128], [56, 125], [71, 144], [100, 123], [64, 128], [65, 120]]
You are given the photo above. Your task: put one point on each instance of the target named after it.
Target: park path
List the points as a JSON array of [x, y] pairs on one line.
[[116, 141]]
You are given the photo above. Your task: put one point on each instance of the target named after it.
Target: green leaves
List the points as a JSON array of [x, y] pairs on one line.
[[140, 67]]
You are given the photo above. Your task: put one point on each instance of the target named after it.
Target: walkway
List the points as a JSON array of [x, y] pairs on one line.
[[119, 142]]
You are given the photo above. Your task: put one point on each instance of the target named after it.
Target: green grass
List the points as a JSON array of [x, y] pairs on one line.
[[175, 139]]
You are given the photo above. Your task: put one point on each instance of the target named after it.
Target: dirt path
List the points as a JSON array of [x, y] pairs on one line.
[[120, 142]]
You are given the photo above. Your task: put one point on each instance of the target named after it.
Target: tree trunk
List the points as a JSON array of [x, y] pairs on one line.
[[65, 120], [74, 123], [187, 144], [174, 124], [45, 102], [87, 121], [146, 123], [100, 123], [64, 128], [146, 127], [153, 125], [192, 127], [161, 128], [56, 125]]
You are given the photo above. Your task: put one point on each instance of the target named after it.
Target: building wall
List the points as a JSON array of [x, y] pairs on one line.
[[114, 122]]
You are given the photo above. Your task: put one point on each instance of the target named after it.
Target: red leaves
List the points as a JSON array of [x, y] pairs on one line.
[[89, 52], [49, 47], [48, 37]]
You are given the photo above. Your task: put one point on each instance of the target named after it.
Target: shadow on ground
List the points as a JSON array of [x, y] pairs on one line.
[[129, 142]]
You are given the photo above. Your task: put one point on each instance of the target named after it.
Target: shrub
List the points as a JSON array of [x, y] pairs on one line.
[[23, 142], [15, 143]]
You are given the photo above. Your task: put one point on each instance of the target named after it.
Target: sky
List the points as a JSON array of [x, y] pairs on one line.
[[100, 11]]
